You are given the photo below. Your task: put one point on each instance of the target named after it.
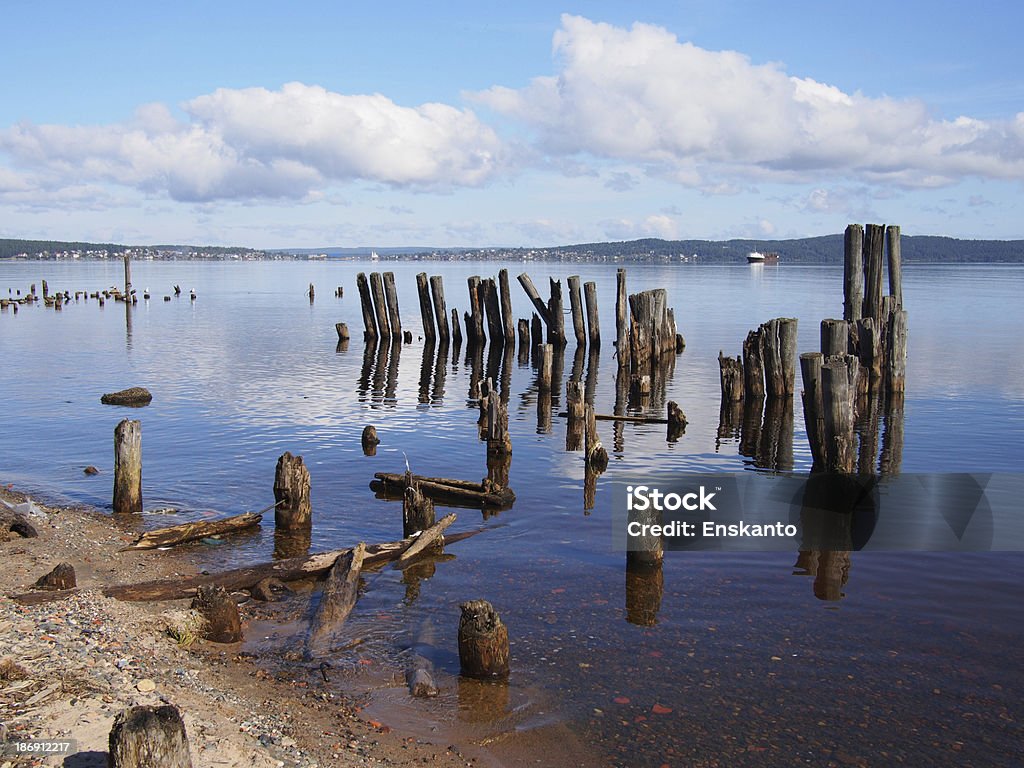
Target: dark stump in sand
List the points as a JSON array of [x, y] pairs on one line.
[[143, 737], [223, 624], [134, 397], [61, 577]]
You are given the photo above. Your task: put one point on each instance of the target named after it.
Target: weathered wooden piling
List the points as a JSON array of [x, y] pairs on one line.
[[426, 309], [536, 334], [379, 305], [892, 240], [127, 275], [440, 310], [870, 350], [492, 307], [312, 293], [556, 329], [147, 736], [853, 273], [835, 337], [576, 306], [128, 467], [391, 295], [534, 296], [523, 329], [506, 306], [874, 243], [417, 509], [621, 318], [222, 624], [342, 329], [778, 350], [291, 491], [731, 374], [499, 442], [753, 368], [369, 440], [547, 356], [474, 317], [456, 329], [593, 323], [483, 641], [814, 424], [596, 455], [676, 421], [837, 411]]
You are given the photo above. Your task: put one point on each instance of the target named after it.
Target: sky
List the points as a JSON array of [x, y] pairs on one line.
[[493, 124]]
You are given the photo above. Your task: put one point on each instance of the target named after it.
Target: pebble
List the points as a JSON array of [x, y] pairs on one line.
[[145, 685]]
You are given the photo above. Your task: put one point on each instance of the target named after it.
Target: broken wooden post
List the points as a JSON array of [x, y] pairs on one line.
[[61, 577], [127, 276], [342, 329], [871, 353], [593, 324], [892, 239], [731, 374], [753, 368], [369, 440], [576, 411], [312, 293], [576, 305], [440, 309], [456, 329], [341, 589], [874, 242], [391, 295], [379, 305], [837, 411], [596, 455], [417, 509], [128, 468], [221, 622], [492, 308], [621, 308], [853, 277], [143, 737], [835, 337], [676, 421], [506, 306], [291, 491], [556, 328], [426, 309], [896, 370], [778, 350], [534, 296], [536, 335], [810, 372], [474, 317], [483, 641], [547, 357]]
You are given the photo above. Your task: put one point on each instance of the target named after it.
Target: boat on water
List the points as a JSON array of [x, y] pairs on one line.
[[756, 257]]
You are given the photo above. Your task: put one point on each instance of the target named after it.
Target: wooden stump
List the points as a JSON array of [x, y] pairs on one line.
[[837, 409], [731, 374], [456, 329], [475, 316], [291, 491], [342, 329], [499, 442], [576, 405], [220, 611], [128, 468], [536, 334], [369, 440], [492, 307], [753, 368], [676, 421], [483, 641], [417, 509], [870, 352], [835, 337], [547, 357], [61, 577], [621, 318], [810, 370], [897, 363], [596, 455], [556, 326], [145, 737], [505, 294]]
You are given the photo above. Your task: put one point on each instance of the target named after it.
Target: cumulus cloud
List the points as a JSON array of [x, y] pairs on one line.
[[643, 96], [257, 143], [655, 225]]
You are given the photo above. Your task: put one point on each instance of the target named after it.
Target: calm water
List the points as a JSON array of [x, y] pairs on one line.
[[726, 659]]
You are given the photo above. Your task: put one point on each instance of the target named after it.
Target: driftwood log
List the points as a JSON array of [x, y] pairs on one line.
[[426, 538], [143, 737], [200, 529], [339, 598], [447, 491], [292, 569]]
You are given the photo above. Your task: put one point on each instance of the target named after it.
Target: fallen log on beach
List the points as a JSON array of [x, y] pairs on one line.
[[200, 529], [446, 491], [339, 598], [292, 569]]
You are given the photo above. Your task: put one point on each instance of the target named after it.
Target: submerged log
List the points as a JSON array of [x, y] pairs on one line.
[[483, 641], [447, 491], [341, 590], [290, 569], [143, 737], [200, 529]]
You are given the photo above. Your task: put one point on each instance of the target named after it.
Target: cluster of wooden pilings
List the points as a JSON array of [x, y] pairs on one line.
[[378, 299], [862, 357]]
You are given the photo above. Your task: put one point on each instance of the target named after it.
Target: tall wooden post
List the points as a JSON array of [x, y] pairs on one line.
[[593, 323], [440, 310], [128, 467], [380, 305], [426, 310], [621, 318], [474, 318], [897, 343], [576, 305], [753, 368], [366, 305], [492, 304], [392, 299], [853, 279], [874, 242], [506, 306], [892, 236], [127, 276], [291, 491], [556, 328]]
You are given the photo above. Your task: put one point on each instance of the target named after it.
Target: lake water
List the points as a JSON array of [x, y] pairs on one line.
[[721, 659]]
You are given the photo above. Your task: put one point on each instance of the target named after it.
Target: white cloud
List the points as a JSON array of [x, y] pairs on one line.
[[655, 225], [255, 143], [687, 113]]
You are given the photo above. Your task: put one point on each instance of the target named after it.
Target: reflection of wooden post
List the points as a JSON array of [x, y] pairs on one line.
[[440, 310], [426, 310], [897, 363], [391, 295], [853, 280], [596, 454], [506, 306], [291, 491], [128, 467], [577, 412], [147, 736], [593, 323], [483, 641], [366, 305], [576, 305], [731, 373]]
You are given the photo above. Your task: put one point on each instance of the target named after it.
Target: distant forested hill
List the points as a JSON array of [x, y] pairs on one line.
[[9, 248]]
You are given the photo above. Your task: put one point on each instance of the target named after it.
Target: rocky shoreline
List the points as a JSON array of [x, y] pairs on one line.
[[67, 667]]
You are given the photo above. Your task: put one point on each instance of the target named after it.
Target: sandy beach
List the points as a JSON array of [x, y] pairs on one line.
[[67, 667]]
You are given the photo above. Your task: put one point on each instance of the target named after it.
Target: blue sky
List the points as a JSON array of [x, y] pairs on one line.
[[488, 124]]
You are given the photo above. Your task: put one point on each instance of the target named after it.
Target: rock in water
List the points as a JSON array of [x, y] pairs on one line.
[[134, 397]]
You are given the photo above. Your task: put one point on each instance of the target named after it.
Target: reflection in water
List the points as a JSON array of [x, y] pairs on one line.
[[644, 589], [482, 701], [775, 446], [426, 372], [892, 440], [830, 570], [730, 414], [440, 373], [498, 468], [420, 570], [291, 543], [750, 428], [342, 345], [621, 395], [866, 428], [128, 324]]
